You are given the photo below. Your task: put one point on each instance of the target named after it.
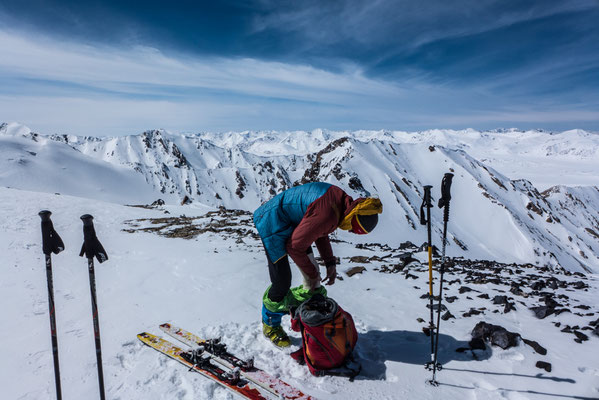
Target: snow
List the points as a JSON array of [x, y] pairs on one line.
[[212, 284]]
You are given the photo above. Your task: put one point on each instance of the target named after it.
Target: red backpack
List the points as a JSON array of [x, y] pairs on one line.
[[328, 337]]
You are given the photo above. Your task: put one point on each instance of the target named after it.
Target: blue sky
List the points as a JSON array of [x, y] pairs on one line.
[[120, 67]]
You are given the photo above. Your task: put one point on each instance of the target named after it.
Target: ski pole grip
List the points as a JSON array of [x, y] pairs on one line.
[[45, 215], [89, 234], [427, 193], [91, 245], [445, 190], [88, 220], [51, 242], [46, 227], [426, 202]]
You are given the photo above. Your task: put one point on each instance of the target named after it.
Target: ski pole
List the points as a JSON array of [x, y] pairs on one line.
[[51, 243], [425, 219], [443, 203], [92, 247]]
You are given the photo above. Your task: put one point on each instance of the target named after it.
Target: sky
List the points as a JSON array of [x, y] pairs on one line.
[[110, 68]]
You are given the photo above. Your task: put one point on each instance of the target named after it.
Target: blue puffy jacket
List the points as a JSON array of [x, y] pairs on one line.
[[277, 218]]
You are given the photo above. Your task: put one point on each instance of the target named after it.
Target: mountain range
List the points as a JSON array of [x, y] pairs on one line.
[[526, 197]]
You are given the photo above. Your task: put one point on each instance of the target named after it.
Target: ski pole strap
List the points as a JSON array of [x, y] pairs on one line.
[[91, 245], [426, 202], [445, 190], [51, 241]]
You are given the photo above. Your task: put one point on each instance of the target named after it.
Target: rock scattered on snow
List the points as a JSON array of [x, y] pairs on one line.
[[536, 346], [543, 365], [355, 270], [496, 334]]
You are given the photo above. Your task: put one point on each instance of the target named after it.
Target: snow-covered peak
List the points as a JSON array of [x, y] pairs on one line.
[[499, 211]]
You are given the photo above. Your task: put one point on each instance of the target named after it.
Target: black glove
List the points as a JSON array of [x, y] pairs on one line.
[[91, 245], [51, 242]]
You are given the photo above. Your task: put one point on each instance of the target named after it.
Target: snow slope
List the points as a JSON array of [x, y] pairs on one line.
[[47, 166], [202, 268], [496, 217], [212, 284]]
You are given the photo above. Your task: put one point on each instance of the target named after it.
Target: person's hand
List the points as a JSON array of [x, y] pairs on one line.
[[331, 275]]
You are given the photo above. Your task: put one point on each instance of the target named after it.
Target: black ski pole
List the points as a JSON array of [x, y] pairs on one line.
[[51, 243], [425, 219], [92, 247], [443, 203]]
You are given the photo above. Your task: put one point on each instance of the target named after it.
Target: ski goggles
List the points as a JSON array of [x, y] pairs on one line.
[[356, 227]]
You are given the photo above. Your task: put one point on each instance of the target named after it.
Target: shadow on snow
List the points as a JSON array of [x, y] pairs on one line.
[[376, 347]]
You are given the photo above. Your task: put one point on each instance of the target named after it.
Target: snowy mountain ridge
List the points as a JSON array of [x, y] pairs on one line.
[[493, 216]]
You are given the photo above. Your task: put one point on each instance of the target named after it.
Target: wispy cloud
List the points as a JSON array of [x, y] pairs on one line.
[[365, 65], [50, 82]]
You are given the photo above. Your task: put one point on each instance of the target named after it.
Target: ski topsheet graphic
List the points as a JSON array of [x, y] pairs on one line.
[[196, 361], [223, 358]]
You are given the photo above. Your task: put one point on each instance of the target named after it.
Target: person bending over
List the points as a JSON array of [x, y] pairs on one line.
[[289, 224]]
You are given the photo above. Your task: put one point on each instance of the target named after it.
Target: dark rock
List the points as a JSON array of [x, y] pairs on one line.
[[186, 200], [464, 289], [407, 245], [567, 329], [596, 330], [504, 338], [477, 344], [562, 310], [447, 316], [581, 336], [496, 334], [500, 300], [543, 365], [426, 330], [483, 296], [420, 320], [583, 307], [515, 289], [451, 299], [473, 311], [405, 261], [542, 311], [536, 346], [550, 302], [538, 285], [355, 270], [509, 307], [594, 323], [552, 283], [579, 285]]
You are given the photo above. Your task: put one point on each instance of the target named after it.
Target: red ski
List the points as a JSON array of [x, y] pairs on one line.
[[221, 356], [203, 365]]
